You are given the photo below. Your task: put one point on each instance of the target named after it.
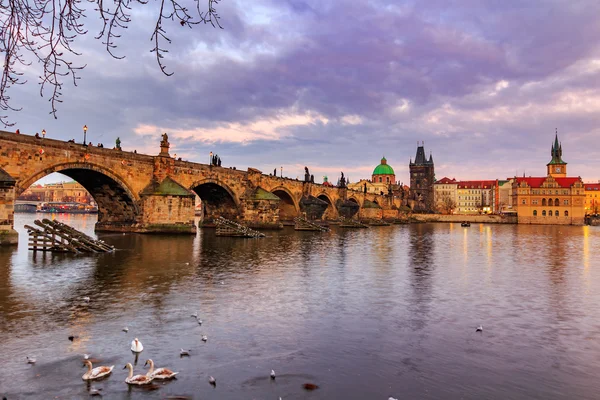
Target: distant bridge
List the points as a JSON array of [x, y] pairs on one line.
[[145, 193]]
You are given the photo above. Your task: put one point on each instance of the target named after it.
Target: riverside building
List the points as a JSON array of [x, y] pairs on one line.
[[555, 199]]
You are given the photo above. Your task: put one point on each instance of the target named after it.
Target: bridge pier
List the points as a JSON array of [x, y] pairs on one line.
[[8, 235]]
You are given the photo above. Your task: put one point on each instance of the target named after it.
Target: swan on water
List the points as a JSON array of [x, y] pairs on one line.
[[97, 372], [272, 374], [184, 352], [137, 379], [136, 346], [30, 360], [159, 373], [212, 381], [204, 338], [126, 329], [479, 329]]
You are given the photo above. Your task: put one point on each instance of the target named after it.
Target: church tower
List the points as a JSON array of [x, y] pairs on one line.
[[557, 167]]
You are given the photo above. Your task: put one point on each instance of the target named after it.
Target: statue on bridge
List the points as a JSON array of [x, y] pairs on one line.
[[342, 181], [164, 145], [365, 188], [306, 175], [118, 144], [165, 141]]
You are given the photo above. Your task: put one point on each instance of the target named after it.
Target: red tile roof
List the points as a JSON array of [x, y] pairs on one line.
[[592, 186], [445, 180], [536, 182], [476, 184], [567, 182]]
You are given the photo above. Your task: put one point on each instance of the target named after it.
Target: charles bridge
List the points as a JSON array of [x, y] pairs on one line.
[[145, 193]]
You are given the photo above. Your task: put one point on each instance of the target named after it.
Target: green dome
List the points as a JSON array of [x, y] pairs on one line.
[[383, 168]]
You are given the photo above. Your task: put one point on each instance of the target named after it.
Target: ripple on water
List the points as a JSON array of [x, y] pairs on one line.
[[362, 314]]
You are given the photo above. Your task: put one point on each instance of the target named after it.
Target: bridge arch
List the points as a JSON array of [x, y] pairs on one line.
[[330, 212], [288, 206], [118, 205], [218, 199], [354, 200]]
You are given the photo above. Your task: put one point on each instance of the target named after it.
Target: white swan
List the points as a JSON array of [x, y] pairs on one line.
[[136, 346], [272, 374], [184, 352], [138, 379], [160, 373], [204, 338], [97, 372], [212, 381], [479, 329], [30, 360]]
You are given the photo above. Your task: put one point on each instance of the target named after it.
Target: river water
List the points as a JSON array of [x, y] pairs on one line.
[[363, 314]]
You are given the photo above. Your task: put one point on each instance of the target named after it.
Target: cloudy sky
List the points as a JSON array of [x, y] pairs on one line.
[[334, 85]]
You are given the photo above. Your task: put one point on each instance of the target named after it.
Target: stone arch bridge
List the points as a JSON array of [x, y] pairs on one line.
[[145, 193]]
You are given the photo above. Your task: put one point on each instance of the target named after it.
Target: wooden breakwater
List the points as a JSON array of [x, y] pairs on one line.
[[55, 236]]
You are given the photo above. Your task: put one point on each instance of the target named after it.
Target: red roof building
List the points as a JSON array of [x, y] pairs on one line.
[[553, 199]]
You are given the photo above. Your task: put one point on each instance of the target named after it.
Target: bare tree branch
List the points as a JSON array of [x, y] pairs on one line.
[[45, 31]]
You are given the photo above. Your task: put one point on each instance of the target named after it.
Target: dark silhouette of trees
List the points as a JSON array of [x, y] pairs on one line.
[[44, 31]]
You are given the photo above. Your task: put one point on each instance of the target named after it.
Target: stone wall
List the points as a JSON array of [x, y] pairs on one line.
[[390, 214], [486, 219], [546, 220], [371, 213], [168, 214], [7, 234], [261, 214]]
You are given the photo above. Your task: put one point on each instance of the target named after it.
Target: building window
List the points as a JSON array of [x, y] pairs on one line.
[[523, 201], [543, 202], [379, 179], [534, 201], [556, 202], [566, 202], [566, 213], [550, 213], [387, 179], [535, 213], [543, 213]]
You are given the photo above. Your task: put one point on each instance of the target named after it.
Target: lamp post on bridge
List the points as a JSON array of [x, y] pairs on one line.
[[210, 159], [84, 134], [281, 171], [43, 133]]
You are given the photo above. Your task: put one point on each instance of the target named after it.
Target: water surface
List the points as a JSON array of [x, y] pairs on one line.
[[364, 314]]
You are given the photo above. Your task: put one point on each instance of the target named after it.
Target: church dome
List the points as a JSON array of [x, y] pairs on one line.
[[383, 168]]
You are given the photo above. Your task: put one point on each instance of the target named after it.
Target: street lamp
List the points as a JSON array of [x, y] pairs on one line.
[[210, 159], [43, 133], [84, 134], [282, 171]]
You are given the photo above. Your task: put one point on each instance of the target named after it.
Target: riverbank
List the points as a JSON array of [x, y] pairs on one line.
[[479, 219]]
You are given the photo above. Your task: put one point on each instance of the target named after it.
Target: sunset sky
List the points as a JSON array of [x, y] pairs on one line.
[[335, 85]]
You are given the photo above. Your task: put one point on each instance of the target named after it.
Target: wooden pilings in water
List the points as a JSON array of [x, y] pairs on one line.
[[227, 227], [350, 223], [58, 237], [302, 224]]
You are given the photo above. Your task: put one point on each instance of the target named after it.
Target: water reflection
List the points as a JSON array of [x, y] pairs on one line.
[[386, 311], [421, 250]]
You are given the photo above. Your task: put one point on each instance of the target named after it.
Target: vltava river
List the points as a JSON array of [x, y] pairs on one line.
[[365, 314]]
